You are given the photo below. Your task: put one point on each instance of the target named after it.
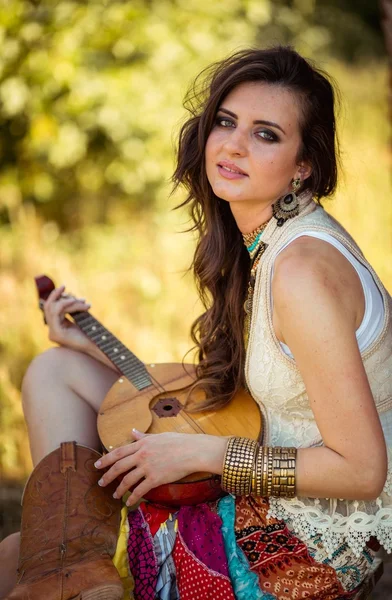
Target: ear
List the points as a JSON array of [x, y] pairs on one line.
[[303, 171]]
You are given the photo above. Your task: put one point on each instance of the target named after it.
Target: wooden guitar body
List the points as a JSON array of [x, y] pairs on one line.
[[155, 410], [156, 398]]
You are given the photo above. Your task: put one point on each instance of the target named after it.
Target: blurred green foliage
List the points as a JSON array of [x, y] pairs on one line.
[[90, 99], [90, 91]]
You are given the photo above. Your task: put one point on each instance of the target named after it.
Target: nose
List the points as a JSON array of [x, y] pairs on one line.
[[236, 142]]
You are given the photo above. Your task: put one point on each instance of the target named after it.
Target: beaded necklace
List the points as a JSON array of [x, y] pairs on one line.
[[251, 240], [283, 209], [256, 248]]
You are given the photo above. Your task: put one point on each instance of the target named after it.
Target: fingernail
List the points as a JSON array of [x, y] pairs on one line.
[[100, 482], [128, 502], [115, 495], [97, 464]]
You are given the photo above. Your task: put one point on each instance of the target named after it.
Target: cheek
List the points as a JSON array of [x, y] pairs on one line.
[[210, 153], [210, 146], [277, 158]]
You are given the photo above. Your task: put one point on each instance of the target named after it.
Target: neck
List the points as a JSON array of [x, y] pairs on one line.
[[247, 219]]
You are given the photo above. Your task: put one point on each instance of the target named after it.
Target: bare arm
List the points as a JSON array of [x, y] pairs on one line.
[[316, 300]]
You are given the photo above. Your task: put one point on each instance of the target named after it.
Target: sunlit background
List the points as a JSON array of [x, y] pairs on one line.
[[90, 103]]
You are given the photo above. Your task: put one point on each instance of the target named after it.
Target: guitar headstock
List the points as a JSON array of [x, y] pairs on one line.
[[45, 286]]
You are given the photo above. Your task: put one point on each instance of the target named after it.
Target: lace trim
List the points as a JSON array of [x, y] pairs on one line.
[[388, 483], [336, 529]]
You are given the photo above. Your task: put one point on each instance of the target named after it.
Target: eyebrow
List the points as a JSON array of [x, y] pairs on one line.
[[258, 122]]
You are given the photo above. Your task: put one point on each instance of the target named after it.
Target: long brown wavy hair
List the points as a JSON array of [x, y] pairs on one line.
[[221, 262]]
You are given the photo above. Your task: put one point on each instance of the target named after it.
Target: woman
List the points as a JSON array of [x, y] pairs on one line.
[[256, 156]]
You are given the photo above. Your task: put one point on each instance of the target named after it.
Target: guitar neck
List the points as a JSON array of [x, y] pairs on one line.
[[127, 363]]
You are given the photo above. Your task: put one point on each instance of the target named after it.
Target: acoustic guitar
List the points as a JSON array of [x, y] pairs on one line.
[[155, 398]]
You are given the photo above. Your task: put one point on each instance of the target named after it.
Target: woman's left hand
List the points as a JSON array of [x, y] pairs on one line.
[[156, 459]]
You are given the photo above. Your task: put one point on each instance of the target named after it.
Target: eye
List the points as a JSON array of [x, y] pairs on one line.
[[224, 122], [268, 135]]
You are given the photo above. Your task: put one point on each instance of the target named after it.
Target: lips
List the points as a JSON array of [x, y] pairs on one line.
[[230, 167]]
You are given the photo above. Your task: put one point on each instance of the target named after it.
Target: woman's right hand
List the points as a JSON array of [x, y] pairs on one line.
[[62, 330]]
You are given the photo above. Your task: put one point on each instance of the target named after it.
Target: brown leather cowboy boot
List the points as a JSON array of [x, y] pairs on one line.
[[69, 531]]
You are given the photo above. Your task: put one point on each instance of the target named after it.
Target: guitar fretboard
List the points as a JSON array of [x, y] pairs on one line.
[[128, 364]]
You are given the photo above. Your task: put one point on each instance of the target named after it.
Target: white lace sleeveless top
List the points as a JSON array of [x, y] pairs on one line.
[[276, 384], [373, 317]]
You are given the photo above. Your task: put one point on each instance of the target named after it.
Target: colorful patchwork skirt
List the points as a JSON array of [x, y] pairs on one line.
[[229, 550]]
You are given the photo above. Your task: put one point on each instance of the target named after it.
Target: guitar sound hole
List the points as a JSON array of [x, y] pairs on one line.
[[167, 407]]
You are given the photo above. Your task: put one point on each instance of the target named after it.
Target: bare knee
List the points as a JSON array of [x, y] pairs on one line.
[[44, 369], [60, 373], [50, 372]]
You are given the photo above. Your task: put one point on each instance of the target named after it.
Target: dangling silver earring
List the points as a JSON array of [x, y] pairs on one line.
[[287, 206]]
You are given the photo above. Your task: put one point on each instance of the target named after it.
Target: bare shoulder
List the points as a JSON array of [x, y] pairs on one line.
[[310, 271]]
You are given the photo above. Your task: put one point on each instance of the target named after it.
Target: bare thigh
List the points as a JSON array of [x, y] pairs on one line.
[[62, 391]]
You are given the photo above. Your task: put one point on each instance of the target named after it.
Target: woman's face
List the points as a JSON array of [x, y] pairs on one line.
[[252, 148]]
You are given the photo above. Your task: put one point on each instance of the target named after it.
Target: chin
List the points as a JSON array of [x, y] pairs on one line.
[[228, 195]]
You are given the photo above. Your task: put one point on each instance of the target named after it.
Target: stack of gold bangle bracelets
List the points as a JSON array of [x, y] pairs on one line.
[[258, 470]]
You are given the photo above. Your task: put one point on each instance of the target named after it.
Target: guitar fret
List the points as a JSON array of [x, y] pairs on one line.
[[114, 353], [135, 371], [82, 315], [139, 377], [80, 318], [136, 376], [111, 340], [123, 363], [95, 330], [139, 384], [119, 349], [144, 385], [132, 375], [125, 357], [86, 323], [107, 346], [93, 327], [96, 336]]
